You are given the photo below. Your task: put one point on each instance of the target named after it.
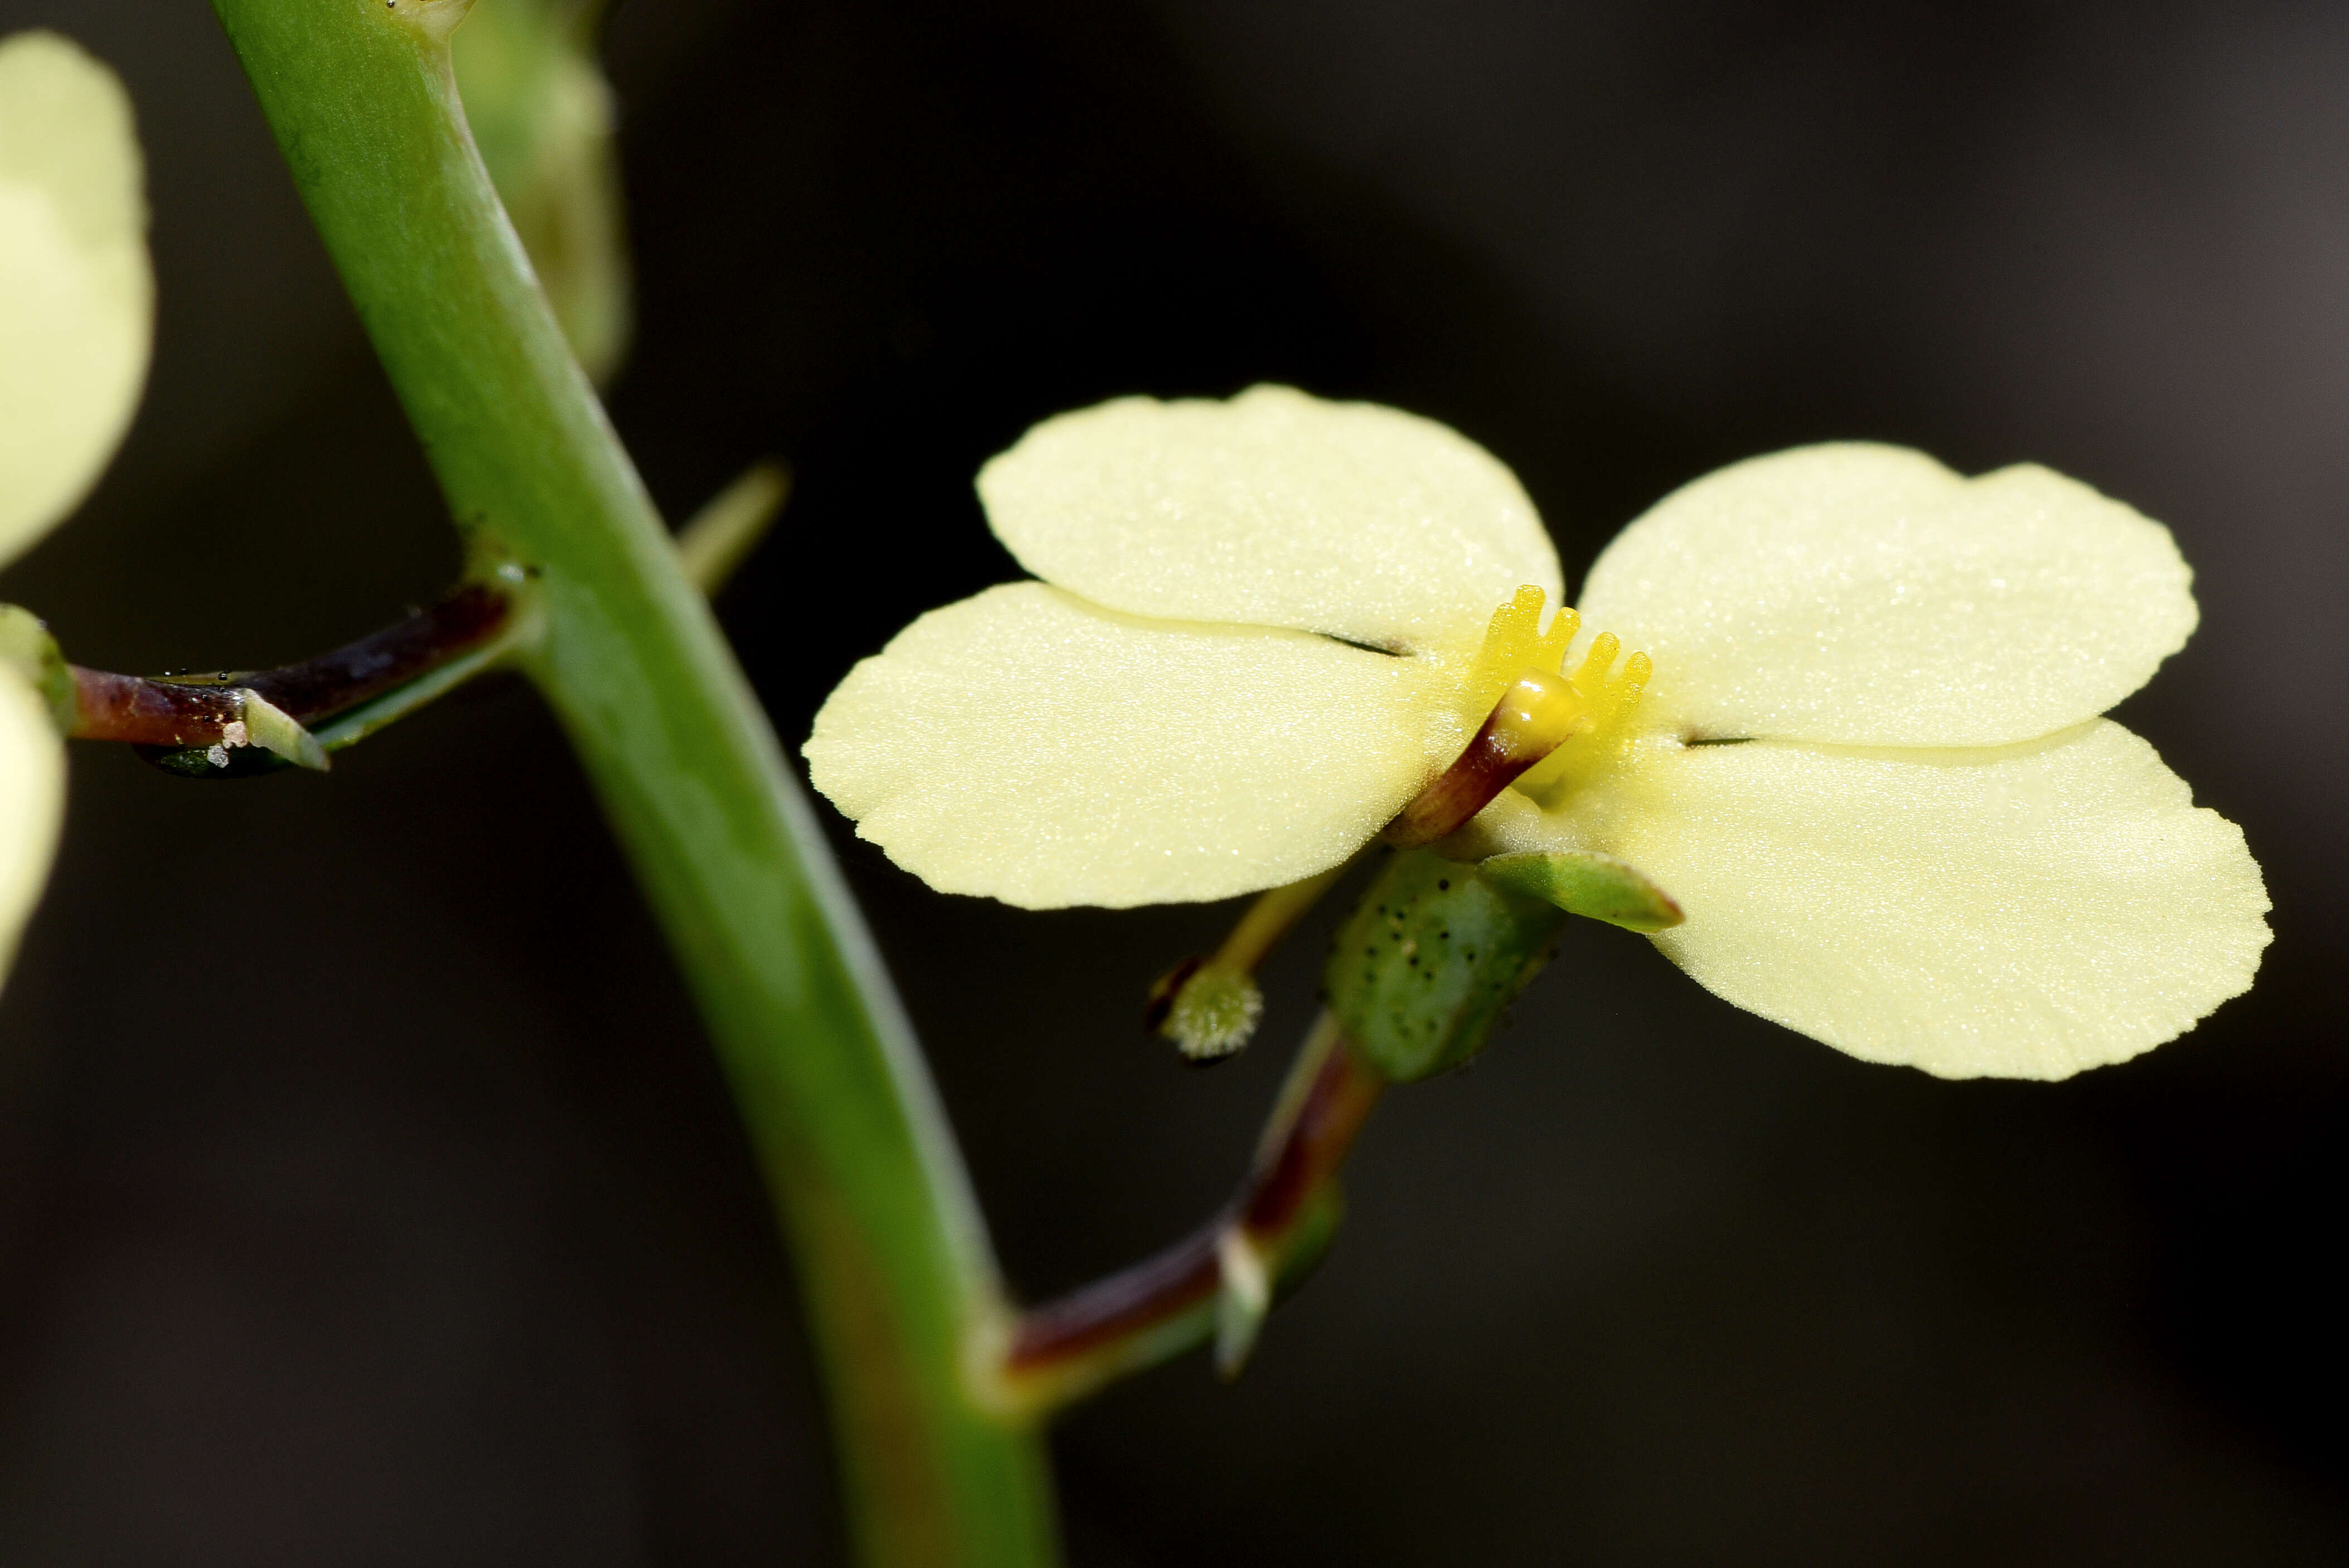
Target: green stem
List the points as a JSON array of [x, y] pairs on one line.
[[893, 1264], [1218, 1284]]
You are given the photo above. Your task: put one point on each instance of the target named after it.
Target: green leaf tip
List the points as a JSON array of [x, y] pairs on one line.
[[275, 730], [1584, 883], [1242, 1299], [724, 531]]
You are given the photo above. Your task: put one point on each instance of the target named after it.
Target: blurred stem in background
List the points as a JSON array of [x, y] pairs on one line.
[[541, 114], [892, 1260]]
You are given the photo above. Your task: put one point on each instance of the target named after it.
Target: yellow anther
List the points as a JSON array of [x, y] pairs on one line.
[[1608, 696], [1628, 686], [1538, 726], [1592, 676], [1550, 652], [1514, 641]]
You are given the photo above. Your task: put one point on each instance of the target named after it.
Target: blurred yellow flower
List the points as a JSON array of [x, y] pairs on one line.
[[541, 113], [77, 309]]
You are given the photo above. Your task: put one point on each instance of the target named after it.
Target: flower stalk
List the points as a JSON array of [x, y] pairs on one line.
[[1219, 1282], [1417, 975], [895, 1269], [195, 724], [1209, 1006], [189, 724]]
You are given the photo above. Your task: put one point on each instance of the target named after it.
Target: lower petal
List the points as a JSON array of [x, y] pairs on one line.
[[32, 804], [2020, 911], [1030, 746]]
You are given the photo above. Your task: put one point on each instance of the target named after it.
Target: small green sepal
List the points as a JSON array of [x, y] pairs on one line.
[[1583, 882], [275, 730], [25, 643], [1429, 960], [263, 740], [1241, 1301]]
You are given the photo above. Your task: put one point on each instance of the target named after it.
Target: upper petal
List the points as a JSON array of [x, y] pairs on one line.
[[1867, 595], [77, 297], [32, 804], [2018, 912], [1275, 509], [1031, 746]]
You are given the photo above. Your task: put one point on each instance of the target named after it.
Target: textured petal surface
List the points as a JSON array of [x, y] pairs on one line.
[[1030, 746], [1275, 509], [2020, 911], [76, 298], [32, 804], [1866, 595]]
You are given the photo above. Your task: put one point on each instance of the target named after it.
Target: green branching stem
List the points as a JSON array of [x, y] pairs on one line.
[[893, 1264], [1215, 1285], [1417, 975]]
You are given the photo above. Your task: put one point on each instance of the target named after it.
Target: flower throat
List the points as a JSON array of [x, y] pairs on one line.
[[1540, 725]]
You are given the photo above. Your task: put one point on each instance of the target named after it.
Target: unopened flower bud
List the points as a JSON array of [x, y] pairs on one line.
[[1209, 1010]]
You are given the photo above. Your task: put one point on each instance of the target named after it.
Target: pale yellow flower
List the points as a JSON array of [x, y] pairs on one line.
[[1868, 764], [77, 309]]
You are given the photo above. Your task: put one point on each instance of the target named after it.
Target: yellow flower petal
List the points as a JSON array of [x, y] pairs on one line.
[[1866, 595], [2016, 912], [1274, 508], [32, 804], [1026, 746], [76, 298]]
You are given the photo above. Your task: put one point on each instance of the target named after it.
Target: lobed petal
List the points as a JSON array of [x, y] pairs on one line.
[[32, 804], [1866, 595], [1275, 509], [1026, 746], [76, 297], [2018, 912]]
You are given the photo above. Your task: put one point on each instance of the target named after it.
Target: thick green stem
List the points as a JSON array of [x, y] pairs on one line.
[[892, 1260]]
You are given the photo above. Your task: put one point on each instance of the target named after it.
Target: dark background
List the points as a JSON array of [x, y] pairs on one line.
[[366, 1195]]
